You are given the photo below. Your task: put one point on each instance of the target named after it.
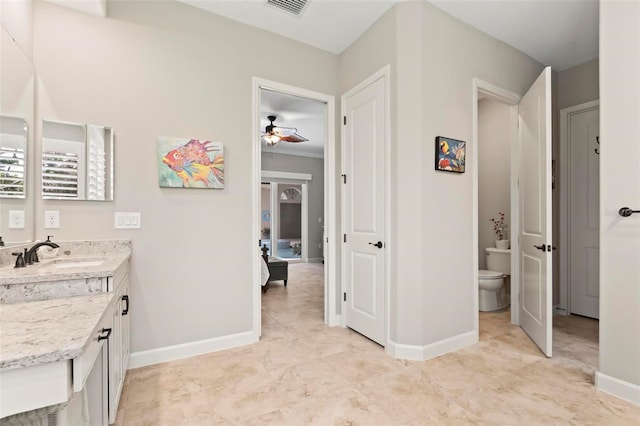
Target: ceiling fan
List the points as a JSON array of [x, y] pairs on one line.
[[274, 134]]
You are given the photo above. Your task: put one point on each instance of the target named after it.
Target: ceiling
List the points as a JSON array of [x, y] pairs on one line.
[[559, 33], [308, 116]]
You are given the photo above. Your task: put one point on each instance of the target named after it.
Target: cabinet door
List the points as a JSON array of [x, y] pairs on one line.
[[115, 361], [125, 326]]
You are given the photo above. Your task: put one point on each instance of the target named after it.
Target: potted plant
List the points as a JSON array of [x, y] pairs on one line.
[[500, 228], [266, 232]]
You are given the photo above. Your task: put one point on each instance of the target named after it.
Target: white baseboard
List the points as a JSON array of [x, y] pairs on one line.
[[186, 350], [432, 350], [618, 388], [335, 321]]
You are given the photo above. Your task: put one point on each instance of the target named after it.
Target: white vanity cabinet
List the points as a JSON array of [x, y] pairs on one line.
[[70, 345]]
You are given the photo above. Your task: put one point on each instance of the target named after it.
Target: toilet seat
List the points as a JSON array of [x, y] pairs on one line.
[[488, 275]]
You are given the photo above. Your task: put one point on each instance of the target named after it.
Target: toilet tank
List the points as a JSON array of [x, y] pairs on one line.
[[498, 260]]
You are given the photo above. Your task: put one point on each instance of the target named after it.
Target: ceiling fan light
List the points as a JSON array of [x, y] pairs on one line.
[[271, 140]]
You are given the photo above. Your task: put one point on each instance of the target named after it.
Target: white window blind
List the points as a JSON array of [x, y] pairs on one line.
[[96, 164], [60, 174], [12, 165]]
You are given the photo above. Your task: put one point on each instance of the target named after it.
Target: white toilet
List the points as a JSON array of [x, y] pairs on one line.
[[493, 294]]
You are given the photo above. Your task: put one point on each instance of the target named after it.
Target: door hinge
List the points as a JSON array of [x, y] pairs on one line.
[[344, 178], [344, 237], [344, 120], [344, 296]]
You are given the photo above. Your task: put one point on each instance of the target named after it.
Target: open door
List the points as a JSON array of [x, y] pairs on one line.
[[534, 257]]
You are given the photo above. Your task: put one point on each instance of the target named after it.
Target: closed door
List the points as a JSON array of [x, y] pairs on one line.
[[534, 255], [584, 201], [364, 207]]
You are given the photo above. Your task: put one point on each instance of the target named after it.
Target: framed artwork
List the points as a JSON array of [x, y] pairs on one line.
[[190, 163], [450, 154]]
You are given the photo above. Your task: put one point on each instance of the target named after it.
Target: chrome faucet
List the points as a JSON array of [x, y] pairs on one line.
[[32, 255]]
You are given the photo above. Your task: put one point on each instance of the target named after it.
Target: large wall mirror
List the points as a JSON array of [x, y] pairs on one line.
[[77, 161], [17, 109]]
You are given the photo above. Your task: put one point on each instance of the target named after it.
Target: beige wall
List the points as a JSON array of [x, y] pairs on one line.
[[620, 186], [578, 85], [17, 99], [433, 59], [16, 17], [453, 53], [164, 68], [314, 166], [494, 172]]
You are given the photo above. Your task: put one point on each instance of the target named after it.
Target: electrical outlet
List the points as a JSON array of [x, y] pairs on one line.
[[16, 219], [52, 219]]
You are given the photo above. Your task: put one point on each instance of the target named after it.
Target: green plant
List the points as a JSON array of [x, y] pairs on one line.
[[297, 248]]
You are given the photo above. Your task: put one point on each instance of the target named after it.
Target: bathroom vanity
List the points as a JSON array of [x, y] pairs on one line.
[[64, 333]]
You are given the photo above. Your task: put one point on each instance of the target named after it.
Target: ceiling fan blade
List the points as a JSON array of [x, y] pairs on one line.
[[293, 138], [284, 131]]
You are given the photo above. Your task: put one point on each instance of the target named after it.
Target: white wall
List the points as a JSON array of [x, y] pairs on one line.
[[165, 68], [494, 172], [314, 166], [619, 186]]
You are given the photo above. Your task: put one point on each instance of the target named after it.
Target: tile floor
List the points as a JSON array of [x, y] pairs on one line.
[[304, 373]]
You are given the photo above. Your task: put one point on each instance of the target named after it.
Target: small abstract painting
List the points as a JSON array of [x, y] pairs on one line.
[[450, 154], [190, 163]]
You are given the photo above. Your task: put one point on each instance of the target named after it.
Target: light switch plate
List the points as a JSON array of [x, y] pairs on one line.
[[128, 220], [52, 219], [16, 219]]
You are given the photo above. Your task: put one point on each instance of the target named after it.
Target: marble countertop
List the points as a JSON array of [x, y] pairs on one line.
[[45, 331], [63, 267]]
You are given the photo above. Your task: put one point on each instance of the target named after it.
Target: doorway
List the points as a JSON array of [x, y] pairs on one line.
[[494, 216], [531, 267], [329, 217], [579, 210]]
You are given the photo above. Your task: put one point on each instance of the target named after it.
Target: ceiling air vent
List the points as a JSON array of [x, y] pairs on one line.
[[291, 6]]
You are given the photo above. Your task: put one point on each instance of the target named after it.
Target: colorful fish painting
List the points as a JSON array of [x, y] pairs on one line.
[[190, 163], [450, 154]]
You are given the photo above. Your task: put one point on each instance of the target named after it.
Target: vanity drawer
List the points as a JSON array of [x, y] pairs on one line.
[[83, 364]]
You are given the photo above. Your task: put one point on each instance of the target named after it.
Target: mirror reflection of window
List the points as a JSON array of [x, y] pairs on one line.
[[77, 161], [13, 144]]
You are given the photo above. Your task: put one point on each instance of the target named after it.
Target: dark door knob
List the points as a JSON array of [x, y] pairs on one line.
[[378, 244], [541, 247], [626, 211]]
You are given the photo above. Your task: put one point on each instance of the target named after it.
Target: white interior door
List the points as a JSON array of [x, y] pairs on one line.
[[364, 207], [584, 202], [534, 133]]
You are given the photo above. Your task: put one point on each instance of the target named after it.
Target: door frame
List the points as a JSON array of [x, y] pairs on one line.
[[496, 93], [331, 264], [383, 73], [565, 209]]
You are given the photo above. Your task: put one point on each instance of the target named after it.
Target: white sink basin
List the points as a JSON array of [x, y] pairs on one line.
[[78, 264]]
